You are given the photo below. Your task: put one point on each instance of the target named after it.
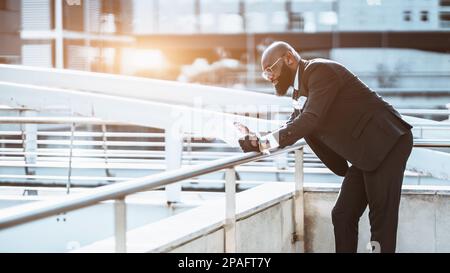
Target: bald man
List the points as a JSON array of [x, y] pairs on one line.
[[343, 120]]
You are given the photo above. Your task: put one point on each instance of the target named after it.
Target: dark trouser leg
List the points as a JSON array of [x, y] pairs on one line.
[[349, 207], [383, 189]]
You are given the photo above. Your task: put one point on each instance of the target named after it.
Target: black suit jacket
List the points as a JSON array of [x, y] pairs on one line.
[[342, 119]]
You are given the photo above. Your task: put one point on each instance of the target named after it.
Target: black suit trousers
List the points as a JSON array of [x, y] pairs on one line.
[[380, 190]]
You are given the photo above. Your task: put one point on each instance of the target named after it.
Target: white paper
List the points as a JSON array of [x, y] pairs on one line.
[[232, 134]]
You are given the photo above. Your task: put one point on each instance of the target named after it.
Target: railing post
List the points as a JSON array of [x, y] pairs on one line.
[[174, 153], [29, 142], [120, 225], [105, 150], [69, 175], [299, 215], [230, 211], [188, 149]]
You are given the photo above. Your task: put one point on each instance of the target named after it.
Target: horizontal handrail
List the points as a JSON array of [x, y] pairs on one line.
[[48, 153], [141, 154], [30, 212], [437, 112], [159, 144], [88, 134], [58, 120], [149, 165], [26, 213], [432, 143], [424, 111], [113, 143], [98, 121], [421, 126]]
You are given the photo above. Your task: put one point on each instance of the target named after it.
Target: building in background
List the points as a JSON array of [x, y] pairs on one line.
[[10, 31], [100, 35], [85, 35]]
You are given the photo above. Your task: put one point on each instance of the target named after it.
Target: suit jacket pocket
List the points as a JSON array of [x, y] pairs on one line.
[[392, 125], [361, 124]]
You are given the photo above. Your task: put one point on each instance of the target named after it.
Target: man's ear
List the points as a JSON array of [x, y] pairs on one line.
[[289, 57]]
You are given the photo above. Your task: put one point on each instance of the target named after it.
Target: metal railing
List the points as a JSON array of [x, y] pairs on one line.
[[30, 212], [114, 157], [433, 112], [123, 158], [22, 214], [17, 215], [71, 152]]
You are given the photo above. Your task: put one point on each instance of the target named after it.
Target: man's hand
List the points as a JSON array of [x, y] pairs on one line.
[[249, 143], [252, 143]]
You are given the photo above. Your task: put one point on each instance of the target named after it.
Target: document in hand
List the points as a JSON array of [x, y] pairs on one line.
[[233, 132], [240, 131]]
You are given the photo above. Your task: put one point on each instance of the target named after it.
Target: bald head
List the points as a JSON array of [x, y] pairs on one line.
[[277, 50]]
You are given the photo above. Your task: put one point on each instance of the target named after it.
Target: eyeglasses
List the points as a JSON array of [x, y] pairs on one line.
[[268, 72]]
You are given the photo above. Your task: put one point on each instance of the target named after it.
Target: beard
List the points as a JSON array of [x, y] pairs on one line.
[[285, 80]]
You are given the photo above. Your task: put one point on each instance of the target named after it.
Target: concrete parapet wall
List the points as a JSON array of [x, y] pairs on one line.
[[424, 223], [265, 223], [269, 230]]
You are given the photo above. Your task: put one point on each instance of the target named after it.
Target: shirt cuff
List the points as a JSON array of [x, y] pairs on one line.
[[272, 141]]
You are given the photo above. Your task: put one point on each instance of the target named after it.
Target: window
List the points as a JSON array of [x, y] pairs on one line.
[[445, 3], [444, 19], [407, 15], [424, 16]]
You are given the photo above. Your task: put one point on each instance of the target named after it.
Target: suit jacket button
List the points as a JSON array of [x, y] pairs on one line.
[[289, 133]]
